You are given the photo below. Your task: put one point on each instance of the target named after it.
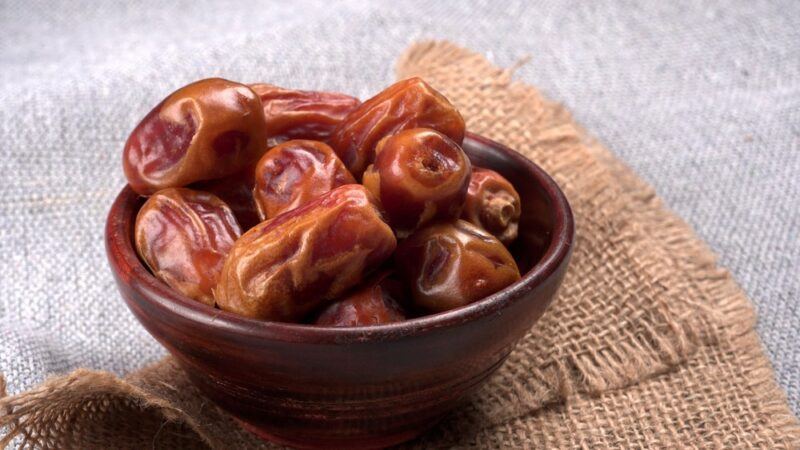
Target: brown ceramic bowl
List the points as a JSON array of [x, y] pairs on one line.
[[362, 387]]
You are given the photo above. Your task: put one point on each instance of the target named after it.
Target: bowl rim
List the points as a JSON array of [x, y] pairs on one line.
[[123, 259]]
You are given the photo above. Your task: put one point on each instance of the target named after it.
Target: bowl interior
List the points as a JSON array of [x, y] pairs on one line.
[[545, 237]]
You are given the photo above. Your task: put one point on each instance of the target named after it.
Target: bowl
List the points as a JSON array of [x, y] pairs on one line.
[[363, 387]]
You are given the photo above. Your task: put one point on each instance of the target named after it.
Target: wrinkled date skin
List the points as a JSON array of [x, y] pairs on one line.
[[294, 173], [493, 204], [206, 130], [285, 267], [419, 175], [295, 114], [237, 192], [184, 237], [449, 265], [410, 103], [374, 303]]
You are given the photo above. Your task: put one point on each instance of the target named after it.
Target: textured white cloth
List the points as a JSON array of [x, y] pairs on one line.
[[702, 100]]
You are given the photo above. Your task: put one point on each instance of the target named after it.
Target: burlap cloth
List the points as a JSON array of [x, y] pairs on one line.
[[649, 343]]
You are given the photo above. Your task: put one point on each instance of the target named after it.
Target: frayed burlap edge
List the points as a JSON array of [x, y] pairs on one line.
[[33, 417], [736, 317]]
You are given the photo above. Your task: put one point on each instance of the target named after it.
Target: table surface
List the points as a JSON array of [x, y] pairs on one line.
[[702, 100]]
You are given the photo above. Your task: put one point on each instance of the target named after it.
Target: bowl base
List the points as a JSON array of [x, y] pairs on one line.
[[355, 443]]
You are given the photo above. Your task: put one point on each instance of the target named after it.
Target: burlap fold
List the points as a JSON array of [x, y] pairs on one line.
[[649, 343]]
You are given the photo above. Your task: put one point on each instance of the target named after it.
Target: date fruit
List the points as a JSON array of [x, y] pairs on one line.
[[206, 130], [376, 302], [294, 173], [410, 103], [286, 267], [451, 264], [184, 237], [419, 175], [295, 114], [493, 204]]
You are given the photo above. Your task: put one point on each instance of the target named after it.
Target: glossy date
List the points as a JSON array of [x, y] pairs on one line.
[[410, 103], [286, 267], [493, 204], [296, 114], [206, 130], [294, 173], [452, 264], [376, 302], [419, 175], [184, 236]]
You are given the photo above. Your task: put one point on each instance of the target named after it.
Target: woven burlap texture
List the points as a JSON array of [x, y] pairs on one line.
[[648, 344]]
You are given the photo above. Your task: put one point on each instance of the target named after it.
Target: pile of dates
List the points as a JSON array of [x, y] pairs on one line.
[[313, 207]]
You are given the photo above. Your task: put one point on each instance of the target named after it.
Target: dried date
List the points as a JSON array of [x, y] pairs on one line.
[[184, 236], [419, 175], [410, 103], [294, 173], [493, 204], [452, 264], [206, 130], [376, 302], [285, 267], [296, 114]]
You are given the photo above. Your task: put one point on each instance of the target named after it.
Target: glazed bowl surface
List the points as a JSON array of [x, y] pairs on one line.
[[365, 387]]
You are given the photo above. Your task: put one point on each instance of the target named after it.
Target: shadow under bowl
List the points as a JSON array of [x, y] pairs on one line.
[[363, 387]]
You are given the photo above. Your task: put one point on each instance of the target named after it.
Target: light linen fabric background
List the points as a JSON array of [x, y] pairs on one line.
[[702, 99]]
